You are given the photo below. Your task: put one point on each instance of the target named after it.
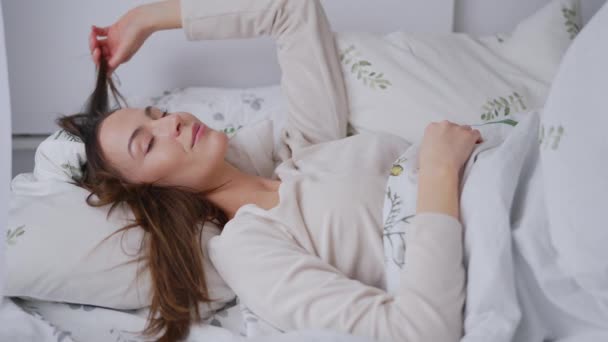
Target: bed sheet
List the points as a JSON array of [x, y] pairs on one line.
[[63, 322], [97, 324], [17, 325]]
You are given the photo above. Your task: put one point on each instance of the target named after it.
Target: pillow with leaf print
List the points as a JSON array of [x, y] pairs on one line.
[[399, 82]]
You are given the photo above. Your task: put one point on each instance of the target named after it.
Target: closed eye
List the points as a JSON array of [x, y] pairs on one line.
[[151, 143]]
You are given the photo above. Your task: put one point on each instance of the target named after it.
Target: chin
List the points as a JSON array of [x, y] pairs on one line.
[[219, 141]]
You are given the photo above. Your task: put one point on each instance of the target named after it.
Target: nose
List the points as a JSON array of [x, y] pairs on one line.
[[170, 125]]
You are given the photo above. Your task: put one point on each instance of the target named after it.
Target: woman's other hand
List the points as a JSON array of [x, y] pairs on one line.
[[445, 149], [446, 145]]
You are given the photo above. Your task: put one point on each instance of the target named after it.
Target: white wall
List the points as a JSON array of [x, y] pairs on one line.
[[5, 148], [50, 69]]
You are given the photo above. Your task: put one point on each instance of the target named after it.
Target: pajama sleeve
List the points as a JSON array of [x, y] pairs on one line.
[[292, 289], [311, 77]]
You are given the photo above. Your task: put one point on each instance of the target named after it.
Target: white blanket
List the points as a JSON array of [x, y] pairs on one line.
[[491, 178]]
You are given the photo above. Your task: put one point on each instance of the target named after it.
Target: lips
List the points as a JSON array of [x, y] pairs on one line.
[[195, 129], [197, 132]]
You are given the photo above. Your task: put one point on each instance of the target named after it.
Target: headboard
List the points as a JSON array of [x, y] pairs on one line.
[[50, 70]]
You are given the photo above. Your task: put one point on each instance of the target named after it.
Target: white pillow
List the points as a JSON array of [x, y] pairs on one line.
[[55, 252], [400, 82], [54, 238], [574, 154]]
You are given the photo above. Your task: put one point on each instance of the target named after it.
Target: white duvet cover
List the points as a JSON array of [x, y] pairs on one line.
[[61, 322]]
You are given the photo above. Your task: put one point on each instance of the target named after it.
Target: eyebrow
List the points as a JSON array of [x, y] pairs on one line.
[[138, 130]]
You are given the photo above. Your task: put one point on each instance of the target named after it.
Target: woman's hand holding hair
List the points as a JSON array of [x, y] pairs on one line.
[[445, 149], [121, 40]]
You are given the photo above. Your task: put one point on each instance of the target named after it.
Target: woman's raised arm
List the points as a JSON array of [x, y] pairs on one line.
[[311, 74]]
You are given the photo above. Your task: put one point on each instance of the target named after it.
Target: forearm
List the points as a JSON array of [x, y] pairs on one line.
[[311, 75], [434, 268], [162, 15], [438, 191]]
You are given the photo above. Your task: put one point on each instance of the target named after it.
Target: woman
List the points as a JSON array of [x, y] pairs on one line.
[[303, 248]]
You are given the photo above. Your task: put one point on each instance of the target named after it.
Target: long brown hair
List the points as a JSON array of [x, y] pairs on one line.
[[171, 217]]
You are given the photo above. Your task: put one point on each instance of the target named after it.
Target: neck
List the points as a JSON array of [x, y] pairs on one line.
[[236, 189]]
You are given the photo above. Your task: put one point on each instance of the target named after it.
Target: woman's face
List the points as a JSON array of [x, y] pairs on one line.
[[152, 146]]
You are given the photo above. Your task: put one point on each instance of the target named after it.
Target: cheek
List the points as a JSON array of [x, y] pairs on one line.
[[162, 162], [172, 165]]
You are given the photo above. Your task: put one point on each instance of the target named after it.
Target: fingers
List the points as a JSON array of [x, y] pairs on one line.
[[105, 51], [96, 56], [474, 132], [113, 60], [100, 50], [98, 47], [92, 42], [476, 135], [100, 31], [96, 32]]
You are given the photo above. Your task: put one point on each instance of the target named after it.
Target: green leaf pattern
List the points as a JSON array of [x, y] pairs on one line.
[[231, 131], [64, 135], [362, 69], [502, 106], [572, 21], [550, 137], [395, 238], [398, 210], [509, 122], [13, 234], [72, 171]]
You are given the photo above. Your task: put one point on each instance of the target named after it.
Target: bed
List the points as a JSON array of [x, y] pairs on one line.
[[377, 68]]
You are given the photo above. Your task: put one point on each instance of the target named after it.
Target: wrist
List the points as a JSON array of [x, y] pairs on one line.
[[158, 16], [440, 170], [438, 190]]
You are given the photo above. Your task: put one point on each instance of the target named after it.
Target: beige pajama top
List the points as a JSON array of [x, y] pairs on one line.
[[316, 259]]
